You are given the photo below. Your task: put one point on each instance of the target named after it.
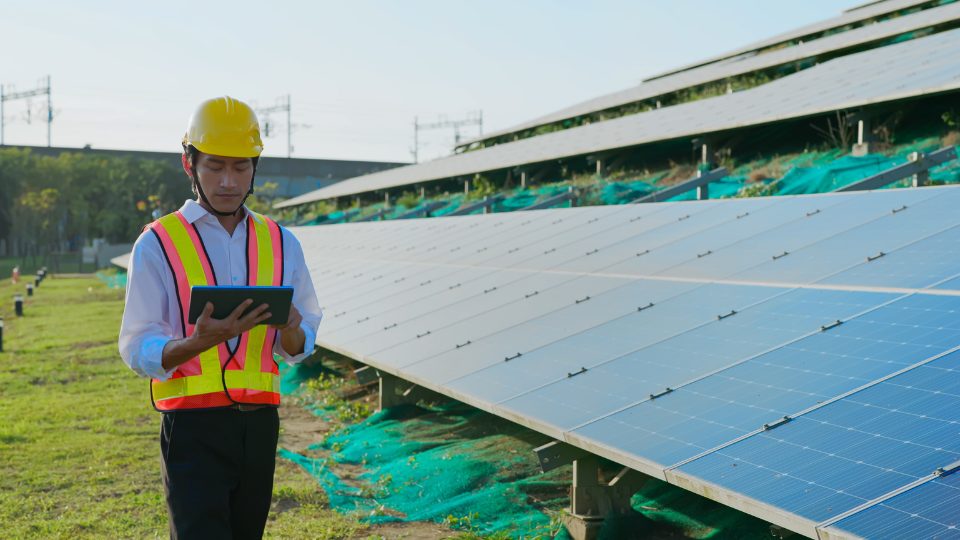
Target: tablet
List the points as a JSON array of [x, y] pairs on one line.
[[226, 299]]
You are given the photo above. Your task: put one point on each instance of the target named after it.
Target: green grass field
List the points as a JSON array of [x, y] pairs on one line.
[[79, 452]]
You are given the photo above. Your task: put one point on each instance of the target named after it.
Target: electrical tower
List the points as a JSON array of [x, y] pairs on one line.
[[472, 119], [283, 105], [43, 89]]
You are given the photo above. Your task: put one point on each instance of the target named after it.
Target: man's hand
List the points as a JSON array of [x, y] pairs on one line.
[[292, 337], [293, 321], [210, 332]]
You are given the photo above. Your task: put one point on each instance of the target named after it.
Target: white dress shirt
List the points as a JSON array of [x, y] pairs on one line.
[[151, 317]]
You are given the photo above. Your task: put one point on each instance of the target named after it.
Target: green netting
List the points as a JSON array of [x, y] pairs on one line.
[[115, 279], [457, 465]]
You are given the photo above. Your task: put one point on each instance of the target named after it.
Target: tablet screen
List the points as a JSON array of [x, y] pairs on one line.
[[226, 299]]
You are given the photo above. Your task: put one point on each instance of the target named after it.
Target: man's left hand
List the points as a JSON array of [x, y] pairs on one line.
[[293, 321]]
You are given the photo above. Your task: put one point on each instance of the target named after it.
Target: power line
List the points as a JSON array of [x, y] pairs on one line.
[[283, 105], [472, 119], [44, 89]]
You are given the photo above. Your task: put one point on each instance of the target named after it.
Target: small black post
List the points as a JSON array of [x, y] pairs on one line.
[[29, 289], [36, 281], [1, 334], [18, 305]]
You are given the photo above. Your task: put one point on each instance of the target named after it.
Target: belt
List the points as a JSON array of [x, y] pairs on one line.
[[243, 407]]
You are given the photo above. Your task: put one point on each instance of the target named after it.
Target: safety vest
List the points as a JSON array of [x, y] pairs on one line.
[[214, 379]]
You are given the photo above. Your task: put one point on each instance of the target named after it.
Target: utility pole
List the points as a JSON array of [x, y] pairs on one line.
[[43, 89], [283, 105], [472, 119]]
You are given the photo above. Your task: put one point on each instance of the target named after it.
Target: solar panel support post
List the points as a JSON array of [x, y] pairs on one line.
[[862, 147], [922, 178], [396, 391], [592, 501]]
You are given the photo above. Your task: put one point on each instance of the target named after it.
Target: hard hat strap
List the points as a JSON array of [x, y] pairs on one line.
[[196, 183]]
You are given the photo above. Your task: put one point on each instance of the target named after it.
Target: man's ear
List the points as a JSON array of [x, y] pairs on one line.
[[187, 167]]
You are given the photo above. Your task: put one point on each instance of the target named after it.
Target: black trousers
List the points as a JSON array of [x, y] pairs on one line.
[[217, 470]]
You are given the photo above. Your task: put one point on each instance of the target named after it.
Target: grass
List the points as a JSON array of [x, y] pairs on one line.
[[79, 440]]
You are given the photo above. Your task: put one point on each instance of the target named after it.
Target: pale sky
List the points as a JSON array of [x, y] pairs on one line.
[[127, 75]]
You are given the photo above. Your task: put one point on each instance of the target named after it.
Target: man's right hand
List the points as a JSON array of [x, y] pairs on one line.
[[210, 332]]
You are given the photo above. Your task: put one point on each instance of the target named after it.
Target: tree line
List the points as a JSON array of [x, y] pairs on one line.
[[55, 204]]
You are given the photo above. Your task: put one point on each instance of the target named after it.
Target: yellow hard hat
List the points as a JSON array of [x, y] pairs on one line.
[[225, 126]]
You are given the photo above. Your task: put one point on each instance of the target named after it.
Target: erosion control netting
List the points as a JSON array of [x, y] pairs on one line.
[[805, 173], [115, 279], [794, 174], [454, 464]]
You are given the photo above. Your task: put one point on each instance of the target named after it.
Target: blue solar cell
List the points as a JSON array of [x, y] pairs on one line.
[[616, 383], [850, 248], [930, 510], [460, 325], [952, 284], [921, 264], [736, 401], [566, 336], [812, 219], [853, 450]]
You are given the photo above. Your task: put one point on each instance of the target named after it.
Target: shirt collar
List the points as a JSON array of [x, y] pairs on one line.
[[192, 211]]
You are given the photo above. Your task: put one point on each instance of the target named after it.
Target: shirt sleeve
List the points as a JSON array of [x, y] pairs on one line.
[[304, 298], [144, 330]]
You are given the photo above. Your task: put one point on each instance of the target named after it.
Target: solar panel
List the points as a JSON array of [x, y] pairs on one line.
[[716, 71], [918, 67], [674, 338], [849, 16], [929, 510]]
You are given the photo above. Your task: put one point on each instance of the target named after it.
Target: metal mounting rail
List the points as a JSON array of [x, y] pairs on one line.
[[570, 195], [699, 183], [423, 210], [917, 167], [376, 215], [485, 203]]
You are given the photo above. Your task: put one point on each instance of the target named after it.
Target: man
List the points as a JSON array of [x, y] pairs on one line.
[[216, 382]]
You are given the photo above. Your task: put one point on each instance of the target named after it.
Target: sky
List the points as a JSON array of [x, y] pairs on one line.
[[127, 75]]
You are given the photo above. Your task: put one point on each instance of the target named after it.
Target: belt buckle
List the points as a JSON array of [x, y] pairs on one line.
[[243, 407]]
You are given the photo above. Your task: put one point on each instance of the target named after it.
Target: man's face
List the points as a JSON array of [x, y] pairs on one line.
[[225, 180]]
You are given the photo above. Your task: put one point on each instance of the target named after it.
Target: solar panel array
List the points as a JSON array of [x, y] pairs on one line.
[[854, 15], [741, 65], [793, 357], [918, 67]]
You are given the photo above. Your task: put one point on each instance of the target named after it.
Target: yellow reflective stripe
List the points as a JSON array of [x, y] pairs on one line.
[[265, 252], [193, 266], [188, 255], [263, 381], [196, 385], [256, 337]]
